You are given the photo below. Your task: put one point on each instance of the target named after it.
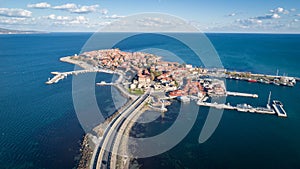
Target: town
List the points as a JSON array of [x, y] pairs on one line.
[[150, 83], [140, 72]]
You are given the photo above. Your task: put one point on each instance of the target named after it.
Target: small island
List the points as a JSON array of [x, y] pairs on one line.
[[149, 83]]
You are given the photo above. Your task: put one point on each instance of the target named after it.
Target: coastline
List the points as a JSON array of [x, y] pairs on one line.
[[197, 89]]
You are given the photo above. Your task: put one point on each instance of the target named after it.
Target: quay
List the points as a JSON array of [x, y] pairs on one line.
[[241, 94]]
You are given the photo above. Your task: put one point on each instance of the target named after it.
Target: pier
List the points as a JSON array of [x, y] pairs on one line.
[[243, 108], [241, 94], [61, 75]]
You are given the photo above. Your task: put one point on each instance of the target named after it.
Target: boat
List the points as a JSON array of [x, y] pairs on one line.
[[252, 80], [264, 110], [284, 83], [228, 106], [276, 82], [243, 107], [290, 84]]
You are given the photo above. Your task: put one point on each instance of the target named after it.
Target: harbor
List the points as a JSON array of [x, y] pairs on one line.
[[276, 108]]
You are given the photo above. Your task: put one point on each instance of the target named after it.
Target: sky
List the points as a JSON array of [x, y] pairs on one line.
[[271, 16]]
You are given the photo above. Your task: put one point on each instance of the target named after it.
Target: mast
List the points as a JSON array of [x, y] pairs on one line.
[[277, 72], [269, 100]]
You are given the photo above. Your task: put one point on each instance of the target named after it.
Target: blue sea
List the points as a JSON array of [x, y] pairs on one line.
[[39, 127]]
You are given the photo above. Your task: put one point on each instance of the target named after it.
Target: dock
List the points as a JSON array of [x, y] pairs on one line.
[[241, 94], [216, 105], [278, 107], [243, 108]]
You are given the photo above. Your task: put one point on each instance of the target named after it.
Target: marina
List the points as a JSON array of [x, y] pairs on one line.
[[240, 107], [276, 108]]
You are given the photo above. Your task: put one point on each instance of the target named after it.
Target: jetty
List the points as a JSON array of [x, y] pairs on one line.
[[277, 107], [239, 107], [61, 75], [241, 94]]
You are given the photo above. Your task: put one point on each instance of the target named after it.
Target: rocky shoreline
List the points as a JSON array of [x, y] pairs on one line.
[[86, 153]]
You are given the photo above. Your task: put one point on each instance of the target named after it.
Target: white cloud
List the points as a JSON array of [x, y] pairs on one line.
[[65, 20], [58, 18], [52, 16], [155, 22], [113, 17], [275, 16], [232, 14], [279, 10], [41, 5], [85, 9], [104, 11], [268, 16], [79, 20], [17, 21], [73, 8], [14, 12], [68, 6], [293, 9], [249, 22], [9, 21]]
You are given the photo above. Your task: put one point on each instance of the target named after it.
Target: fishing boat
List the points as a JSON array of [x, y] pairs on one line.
[[252, 80]]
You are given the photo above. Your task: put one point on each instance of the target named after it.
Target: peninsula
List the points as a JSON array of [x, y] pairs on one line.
[[146, 78]]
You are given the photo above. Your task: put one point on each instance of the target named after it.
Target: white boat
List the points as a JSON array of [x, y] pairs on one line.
[[243, 107], [290, 84]]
